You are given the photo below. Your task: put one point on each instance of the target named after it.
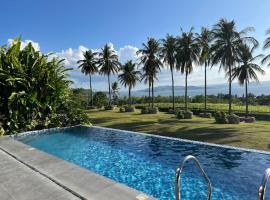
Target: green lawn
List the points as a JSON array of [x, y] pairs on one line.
[[256, 135]]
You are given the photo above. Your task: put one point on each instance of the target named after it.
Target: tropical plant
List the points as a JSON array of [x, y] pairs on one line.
[[34, 91], [89, 67], [100, 99], [129, 77], [168, 53], [109, 64], [115, 91], [266, 46], [150, 59], [204, 41], [187, 55], [248, 69], [226, 48]]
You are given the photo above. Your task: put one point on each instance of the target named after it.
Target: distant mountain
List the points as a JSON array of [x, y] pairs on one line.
[[257, 89]]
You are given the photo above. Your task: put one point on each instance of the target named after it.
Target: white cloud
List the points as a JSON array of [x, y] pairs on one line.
[[24, 43], [128, 52]]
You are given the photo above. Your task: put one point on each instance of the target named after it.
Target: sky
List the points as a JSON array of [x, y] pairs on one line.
[[68, 27]]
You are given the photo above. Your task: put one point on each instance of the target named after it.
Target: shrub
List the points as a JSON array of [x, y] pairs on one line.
[[100, 99], [242, 119], [205, 115], [122, 110], [180, 114], [233, 119], [250, 119], [153, 110], [188, 115], [129, 109], [221, 118], [145, 110], [109, 107]]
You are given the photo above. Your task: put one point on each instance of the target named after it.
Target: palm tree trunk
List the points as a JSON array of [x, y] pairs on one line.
[[129, 96], [246, 98], [230, 90], [109, 82], [152, 93], [205, 87], [149, 98], [173, 89], [91, 91], [186, 107]]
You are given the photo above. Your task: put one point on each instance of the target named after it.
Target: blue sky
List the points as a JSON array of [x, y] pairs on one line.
[[67, 27]]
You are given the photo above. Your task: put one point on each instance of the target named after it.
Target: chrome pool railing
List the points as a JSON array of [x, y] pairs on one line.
[[262, 189], [178, 174]]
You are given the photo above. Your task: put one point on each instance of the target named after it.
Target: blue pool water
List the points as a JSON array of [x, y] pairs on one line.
[[147, 163]]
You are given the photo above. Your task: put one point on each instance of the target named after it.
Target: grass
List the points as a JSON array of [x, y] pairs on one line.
[[256, 135], [215, 106]]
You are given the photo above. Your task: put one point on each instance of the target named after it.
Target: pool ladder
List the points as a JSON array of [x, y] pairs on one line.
[[262, 188], [178, 174]]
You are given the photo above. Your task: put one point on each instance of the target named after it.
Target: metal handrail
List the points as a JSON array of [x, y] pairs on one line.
[[179, 171], [262, 189]]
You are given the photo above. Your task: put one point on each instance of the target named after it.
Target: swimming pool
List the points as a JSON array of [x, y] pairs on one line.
[[147, 163]]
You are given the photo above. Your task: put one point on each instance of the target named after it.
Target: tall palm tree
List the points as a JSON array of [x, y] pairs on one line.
[[89, 67], [204, 40], [150, 59], [226, 48], [266, 46], [187, 55], [247, 69], [168, 52], [109, 64], [115, 91], [129, 77]]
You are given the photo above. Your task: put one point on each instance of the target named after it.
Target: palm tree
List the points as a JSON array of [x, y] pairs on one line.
[[150, 59], [266, 46], [89, 67], [115, 91], [248, 69], [109, 64], [187, 55], [204, 40], [168, 51], [129, 77], [226, 48]]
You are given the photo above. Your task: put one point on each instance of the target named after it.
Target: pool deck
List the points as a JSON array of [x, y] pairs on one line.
[[27, 174]]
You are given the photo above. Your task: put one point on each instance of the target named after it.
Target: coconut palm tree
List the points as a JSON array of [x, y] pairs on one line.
[[150, 59], [109, 64], [88, 66], [129, 77], [115, 91], [187, 55], [248, 69], [266, 46], [168, 52], [226, 48], [204, 41]]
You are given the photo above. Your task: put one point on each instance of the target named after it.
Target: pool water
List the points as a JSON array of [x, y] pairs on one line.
[[148, 163]]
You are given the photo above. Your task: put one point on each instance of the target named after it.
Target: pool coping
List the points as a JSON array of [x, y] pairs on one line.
[[147, 134], [80, 182]]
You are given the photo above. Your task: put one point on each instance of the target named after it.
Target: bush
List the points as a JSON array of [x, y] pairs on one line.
[[129, 109], [100, 99], [221, 118], [233, 119], [250, 120], [153, 110], [242, 119], [180, 114], [188, 115], [145, 111], [122, 110], [110, 107], [205, 115]]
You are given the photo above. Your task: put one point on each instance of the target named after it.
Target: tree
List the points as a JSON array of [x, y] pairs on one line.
[[226, 48], [168, 51], [204, 41], [129, 77], [248, 69], [187, 55], [109, 64], [89, 67], [150, 59], [115, 91], [100, 99]]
